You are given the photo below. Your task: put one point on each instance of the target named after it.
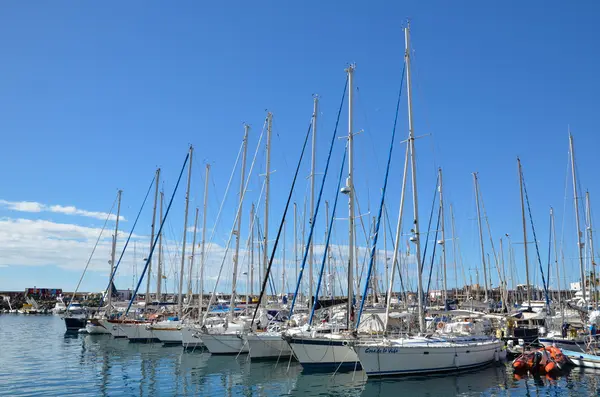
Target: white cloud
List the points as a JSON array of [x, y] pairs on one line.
[[32, 206]]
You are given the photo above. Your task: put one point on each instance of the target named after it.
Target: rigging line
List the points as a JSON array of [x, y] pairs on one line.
[[238, 214], [282, 223], [491, 240], [325, 252], [437, 229], [93, 250], [549, 250], [389, 226], [562, 231], [314, 216], [537, 249], [112, 276], [382, 203], [157, 236], [422, 265], [213, 232]]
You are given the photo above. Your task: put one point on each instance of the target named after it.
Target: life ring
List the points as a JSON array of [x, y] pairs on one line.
[[441, 325]]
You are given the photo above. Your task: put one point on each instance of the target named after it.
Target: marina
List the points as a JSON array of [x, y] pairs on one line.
[[394, 217], [93, 365]]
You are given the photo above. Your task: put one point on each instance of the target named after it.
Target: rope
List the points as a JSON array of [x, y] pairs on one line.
[[325, 252], [314, 218], [157, 235], [112, 276], [537, 249], [237, 212], [437, 228], [382, 202], [92, 254], [281, 224]]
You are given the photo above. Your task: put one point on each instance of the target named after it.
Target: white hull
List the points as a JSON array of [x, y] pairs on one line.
[[168, 336], [412, 356], [582, 359], [232, 343], [267, 345], [115, 328], [96, 329], [138, 332], [191, 337], [324, 354]]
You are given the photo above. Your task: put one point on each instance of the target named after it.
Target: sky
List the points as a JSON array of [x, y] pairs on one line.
[[95, 97]]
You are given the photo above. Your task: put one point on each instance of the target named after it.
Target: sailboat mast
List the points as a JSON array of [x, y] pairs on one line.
[[411, 143], [267, 193], [156, 181], [443, 242], [203, 253], [312, 192], [454, 251], [185, 223], [192, 258], [159, 270], [580, 244], [238, 227], [524, 234], [350, 190], [283, 293], [476, 183], [114, 251], [296, 238], [591, 242], [252, 246], [555, 255]]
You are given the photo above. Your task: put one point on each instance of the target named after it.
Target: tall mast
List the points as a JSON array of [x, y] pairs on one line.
[[329, 278], [454, 250], [159, 270], [185, 225], [312, 192], [192, 258], [580, 244], [156, 181], [350, 190], [591, 242], [114, 251], [283, 265], [252, 246], [296, 238], [524, 234], [238, 227], [555, 254], [504, 291], [203, 253], [411, 142], [251, 261], [476, 183], [267, 193], [385, 257], [443, 242]]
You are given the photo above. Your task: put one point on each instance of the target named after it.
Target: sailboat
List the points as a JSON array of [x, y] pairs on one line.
[[169, 331], [326, 347], [421, 353], [226, 338]]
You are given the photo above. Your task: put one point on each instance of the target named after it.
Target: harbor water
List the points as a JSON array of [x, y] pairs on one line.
[[37, 358]]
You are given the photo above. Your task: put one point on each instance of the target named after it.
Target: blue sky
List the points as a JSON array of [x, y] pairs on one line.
[[95, 97]]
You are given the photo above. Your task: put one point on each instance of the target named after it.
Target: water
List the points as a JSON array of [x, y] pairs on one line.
[[37, 358]]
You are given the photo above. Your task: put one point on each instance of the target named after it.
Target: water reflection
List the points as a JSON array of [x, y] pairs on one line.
[[38, 358]]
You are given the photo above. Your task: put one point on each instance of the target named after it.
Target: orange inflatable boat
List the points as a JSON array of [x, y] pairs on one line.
[[547, 360]]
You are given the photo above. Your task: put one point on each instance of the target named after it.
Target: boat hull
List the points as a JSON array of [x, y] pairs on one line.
[[114, 327], [576, 345], [583, 359], [267, 345], [225, 343], [191, 337], [323, 354], [392, 359], [168, 336], [75, 323], [95, 327], [138, 333]]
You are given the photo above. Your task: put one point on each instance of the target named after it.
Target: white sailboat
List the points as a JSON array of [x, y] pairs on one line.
[[227, 338], [322, 351], [421, 353]]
